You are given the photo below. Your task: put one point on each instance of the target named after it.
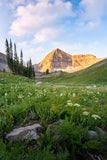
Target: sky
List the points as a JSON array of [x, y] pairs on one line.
[[39, 26]]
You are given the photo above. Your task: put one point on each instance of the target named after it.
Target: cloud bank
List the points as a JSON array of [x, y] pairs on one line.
[[41, 19]]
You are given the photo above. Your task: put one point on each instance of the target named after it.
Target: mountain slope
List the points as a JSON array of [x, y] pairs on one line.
[[3, 63], [96, 73], [59, 60]]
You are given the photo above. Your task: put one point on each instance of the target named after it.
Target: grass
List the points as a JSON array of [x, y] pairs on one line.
[[76, 105]]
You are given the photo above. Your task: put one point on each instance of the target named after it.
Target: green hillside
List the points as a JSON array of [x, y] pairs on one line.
[[97, 73]]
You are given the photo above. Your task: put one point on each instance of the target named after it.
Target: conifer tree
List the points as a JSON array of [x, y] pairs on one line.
[[21, 63], [17, 66], [7, 53], [11, 55], [16, 60]]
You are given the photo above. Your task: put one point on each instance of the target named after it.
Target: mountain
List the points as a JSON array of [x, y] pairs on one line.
[[3, 63], [58, 60], [95, 74]]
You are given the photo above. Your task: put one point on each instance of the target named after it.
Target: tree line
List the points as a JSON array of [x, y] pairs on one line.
[[16, 64]]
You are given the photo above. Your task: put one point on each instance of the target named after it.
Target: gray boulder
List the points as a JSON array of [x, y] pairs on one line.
[[39, 83], [57, 123], [92, 134], [23, 133]]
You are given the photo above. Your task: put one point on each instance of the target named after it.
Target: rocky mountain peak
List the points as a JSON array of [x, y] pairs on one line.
[[60, 60]]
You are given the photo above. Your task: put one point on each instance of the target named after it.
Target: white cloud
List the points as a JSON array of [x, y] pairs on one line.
[[21, 44], [95, 43], [0, 4], [15, 3], [93, 9], [91, 12], [29, 51], [45, 35], [44, 14]]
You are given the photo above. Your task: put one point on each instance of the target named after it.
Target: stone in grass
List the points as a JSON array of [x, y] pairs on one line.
[[39, 83], [100, 131], [23, 133], [92, 134], [57, 123]]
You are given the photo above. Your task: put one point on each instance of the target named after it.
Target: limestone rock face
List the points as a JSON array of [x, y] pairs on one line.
[[3, 63], [58, 60]]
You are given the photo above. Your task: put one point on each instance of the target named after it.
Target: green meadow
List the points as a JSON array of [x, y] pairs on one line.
[[78, 99]]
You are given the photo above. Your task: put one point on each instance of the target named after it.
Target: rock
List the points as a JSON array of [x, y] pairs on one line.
[[92, 134], [24, 132], [39, 83], [3, 63], [100, 131], [59, 122], [58, 60]]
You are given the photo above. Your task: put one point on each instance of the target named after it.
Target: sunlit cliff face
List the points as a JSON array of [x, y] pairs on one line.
[[59, 60]]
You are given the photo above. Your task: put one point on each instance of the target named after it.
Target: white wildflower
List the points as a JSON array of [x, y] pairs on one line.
[[88, 87], [97, 92], [95, 116], [85, 113], [94, 86], [77, 105], [69, 104], [30, 93], [69, 101], [61, 94], [20, 96], [5, 94], [74, 95]]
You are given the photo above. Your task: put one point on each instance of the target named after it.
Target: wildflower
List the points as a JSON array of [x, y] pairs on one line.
[[69, 101], [61, 94], [77, 105], [97, 92], [87, 87], [5, 94], [74, 95], [30, 93], [20, 96], [85, 113], [95, 116], [69, 104], [94, 86]]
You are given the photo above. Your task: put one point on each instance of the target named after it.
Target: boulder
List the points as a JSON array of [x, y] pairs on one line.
[[23, 133], [39, 83], [92, 134], [57, 123], [100, 131]]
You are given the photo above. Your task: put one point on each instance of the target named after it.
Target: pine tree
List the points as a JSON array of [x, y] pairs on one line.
[[16, 60], [21, 63], [33, 72], [11, 50], [14, 64], [11, 56], [7, 52]]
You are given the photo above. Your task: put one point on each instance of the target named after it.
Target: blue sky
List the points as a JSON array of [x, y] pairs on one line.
[[39, 26]]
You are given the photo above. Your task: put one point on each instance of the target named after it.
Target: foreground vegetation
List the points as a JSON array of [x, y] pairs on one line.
[[82, 108]]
